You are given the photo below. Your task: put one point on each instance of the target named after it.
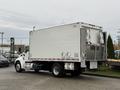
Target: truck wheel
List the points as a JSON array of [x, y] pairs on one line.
[[18, 67], [57, 70], [75, 73]]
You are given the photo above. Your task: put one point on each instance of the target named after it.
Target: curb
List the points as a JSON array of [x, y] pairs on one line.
[[101, 75]]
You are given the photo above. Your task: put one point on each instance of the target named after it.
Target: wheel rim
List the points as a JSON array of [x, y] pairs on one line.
[[56, 71], [18, 67]]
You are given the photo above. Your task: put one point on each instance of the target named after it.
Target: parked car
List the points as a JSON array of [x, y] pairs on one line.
[[3, 61], [11, 57], [117, 54]]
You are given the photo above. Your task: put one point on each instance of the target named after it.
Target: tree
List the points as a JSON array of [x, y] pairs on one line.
[[110, 48]]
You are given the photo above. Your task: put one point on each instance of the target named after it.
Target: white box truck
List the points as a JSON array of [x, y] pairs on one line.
[[64, 49]]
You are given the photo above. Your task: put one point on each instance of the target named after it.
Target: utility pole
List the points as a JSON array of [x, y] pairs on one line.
[[2, 41], [12, 49]]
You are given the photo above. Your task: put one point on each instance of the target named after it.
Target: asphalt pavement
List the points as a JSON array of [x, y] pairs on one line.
[[29, 80]]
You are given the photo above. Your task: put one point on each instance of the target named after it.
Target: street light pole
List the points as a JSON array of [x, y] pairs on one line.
[[2, 41]]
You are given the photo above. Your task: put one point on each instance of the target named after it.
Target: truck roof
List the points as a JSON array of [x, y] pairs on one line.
[[82, 24]]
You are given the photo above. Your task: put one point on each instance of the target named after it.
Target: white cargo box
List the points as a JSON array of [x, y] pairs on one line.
[[72, 42]]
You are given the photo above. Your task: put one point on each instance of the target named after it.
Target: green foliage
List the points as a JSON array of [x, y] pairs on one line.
[[110, 48]]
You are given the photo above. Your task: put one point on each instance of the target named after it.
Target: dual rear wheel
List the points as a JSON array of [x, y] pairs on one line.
[[58, 70]]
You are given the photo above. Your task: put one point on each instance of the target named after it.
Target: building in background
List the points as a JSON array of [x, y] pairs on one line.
[[18, 48]]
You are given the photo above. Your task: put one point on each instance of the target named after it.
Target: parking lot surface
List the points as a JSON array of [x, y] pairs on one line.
[[11, 80]]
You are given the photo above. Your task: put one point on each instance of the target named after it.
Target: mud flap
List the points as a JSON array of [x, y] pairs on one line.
[[93, 65], [83, 64]]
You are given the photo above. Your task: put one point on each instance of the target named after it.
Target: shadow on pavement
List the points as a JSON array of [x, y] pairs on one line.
[[49, 74]]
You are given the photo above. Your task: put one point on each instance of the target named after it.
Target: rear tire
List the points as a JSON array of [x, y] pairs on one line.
[[18, 67], [57, 70]]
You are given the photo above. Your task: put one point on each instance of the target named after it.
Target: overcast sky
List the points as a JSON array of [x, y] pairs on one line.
[[17, 17]]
